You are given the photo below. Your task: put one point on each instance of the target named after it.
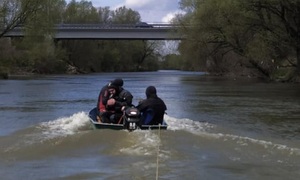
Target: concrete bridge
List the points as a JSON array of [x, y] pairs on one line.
[[98, 31]]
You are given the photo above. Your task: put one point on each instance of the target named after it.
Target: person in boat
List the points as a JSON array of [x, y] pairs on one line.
[[153, 108], [122, 100], [112, 100], [124, 97], [106, 101]]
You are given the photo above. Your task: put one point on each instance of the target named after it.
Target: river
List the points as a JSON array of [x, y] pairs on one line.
[[218, 129]]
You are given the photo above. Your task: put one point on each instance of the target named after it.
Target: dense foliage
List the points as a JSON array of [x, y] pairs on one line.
[[38, 52], [254, 38], [246, 37]]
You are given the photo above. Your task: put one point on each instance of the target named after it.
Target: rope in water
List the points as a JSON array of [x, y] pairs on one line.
[[157, 157]]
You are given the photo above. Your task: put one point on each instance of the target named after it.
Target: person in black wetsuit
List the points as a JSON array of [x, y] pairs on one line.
[[153, 108], [122, 100], [112, 100]]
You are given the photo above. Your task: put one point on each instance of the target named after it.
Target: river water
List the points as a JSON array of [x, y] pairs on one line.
[[218, 129]]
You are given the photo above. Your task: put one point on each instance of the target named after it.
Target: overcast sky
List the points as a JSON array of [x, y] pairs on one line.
[[151, 11]]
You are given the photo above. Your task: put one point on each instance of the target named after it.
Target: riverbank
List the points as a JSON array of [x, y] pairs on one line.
[[289, 78], [23, 73]]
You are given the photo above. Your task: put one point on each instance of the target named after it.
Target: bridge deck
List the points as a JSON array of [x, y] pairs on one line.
[[130, 32]]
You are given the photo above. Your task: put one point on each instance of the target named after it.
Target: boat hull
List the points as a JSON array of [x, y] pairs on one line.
[[101, 125]]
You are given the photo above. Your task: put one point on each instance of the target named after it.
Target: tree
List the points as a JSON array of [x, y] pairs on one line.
[[172, 61], [39, 52], [16, 12], [214, 29], [230, 34], [123, 15], [104, 15], [80, 12], [281, 21]]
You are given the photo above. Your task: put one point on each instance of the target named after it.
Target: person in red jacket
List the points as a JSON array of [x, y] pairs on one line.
[[113, 98]]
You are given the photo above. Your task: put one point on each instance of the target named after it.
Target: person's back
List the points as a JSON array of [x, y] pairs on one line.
[[124, 99], [153, 105]]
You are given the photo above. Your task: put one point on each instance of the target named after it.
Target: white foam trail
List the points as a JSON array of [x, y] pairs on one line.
[[65, 125], [146, 142], [143, 143], [244, 141], [187, 124], [201, 129], [52, 129]]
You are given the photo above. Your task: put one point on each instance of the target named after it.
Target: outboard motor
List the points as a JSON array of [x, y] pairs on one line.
[[132, 118]]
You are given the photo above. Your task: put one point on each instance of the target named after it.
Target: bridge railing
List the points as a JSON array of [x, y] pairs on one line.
[[106, 26], [114, 26]]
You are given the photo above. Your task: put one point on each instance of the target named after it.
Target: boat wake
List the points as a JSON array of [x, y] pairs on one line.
[[238, 147], [79, 122], [147, 140], [143, 142], [65, 126], [146, 143], [210, 132], [187, 125], [50, 132]]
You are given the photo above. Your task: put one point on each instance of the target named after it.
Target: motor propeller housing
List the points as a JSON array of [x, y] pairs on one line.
[[132, 118]]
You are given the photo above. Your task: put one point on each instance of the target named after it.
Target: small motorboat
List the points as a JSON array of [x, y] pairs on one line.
[[131, 121]]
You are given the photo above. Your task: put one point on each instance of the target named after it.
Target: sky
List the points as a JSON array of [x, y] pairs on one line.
[[151, 11]]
